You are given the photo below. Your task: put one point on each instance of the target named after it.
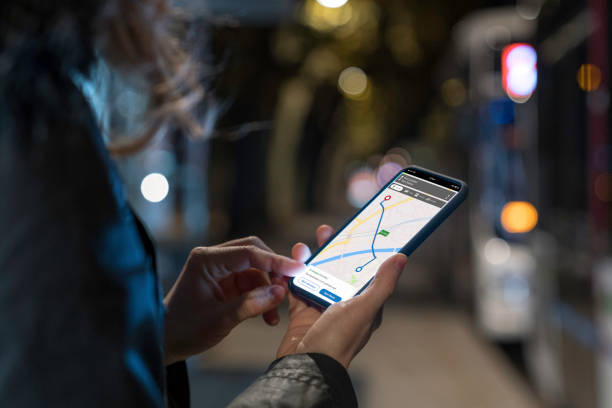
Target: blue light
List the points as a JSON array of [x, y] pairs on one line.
[[501, 111]]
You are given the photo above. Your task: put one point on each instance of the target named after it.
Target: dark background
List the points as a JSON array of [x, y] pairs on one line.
[[483, 316]]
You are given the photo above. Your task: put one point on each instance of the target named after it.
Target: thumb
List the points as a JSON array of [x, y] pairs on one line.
[[256, 302], [384, 282]]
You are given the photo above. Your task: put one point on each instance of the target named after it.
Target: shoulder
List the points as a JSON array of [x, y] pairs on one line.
[[50, 143]]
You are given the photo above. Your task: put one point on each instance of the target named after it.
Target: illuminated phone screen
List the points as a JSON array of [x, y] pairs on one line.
[[348, 262]]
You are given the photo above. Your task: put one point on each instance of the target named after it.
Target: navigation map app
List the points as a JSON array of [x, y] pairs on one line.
[[381, 229]]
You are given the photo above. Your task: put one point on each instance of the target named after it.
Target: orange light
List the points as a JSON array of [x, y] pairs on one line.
[[588, 77], [518, 217]]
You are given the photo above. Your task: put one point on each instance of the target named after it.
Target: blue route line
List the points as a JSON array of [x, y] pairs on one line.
[[360, 268], [363, 251], [389, 227]]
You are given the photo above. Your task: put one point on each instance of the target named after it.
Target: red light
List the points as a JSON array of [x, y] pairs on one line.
[[519, 71]]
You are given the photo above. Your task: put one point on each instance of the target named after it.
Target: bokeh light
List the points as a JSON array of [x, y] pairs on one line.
[[332, 3], [154, 187], [386, 171], [392, 163], [353, 82], [519, 217], [496, 251], [325, 18], [519, 71], [362, 186], [588, 77], [603, 187]]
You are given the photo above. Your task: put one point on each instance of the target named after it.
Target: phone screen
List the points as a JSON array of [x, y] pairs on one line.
[[342, 267]]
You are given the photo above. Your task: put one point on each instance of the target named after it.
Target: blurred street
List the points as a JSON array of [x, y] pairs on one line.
[[421, 356], [314, 105]]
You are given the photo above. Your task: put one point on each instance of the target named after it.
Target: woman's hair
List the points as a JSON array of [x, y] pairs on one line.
[[133, 36]]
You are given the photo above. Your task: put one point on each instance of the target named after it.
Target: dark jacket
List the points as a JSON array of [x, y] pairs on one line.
[[81, 313]]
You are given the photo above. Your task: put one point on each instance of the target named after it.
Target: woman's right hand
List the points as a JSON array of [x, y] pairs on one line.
[[219, 287], [344, 328]]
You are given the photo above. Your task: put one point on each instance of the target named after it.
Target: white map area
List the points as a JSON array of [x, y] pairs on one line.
[[349, 256]]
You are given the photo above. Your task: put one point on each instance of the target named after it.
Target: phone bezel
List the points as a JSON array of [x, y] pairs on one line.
[[411, 245]]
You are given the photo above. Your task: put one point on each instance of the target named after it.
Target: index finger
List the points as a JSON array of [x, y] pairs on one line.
[[252, 240], [223, 261]]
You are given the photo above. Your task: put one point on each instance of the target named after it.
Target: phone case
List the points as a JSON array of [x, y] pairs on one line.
[[406, 249]]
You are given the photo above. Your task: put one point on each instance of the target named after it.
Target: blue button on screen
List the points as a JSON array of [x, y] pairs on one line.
[[330, 295]]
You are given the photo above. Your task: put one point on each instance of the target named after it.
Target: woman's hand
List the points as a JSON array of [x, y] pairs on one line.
[[344, 328], [219, 287]]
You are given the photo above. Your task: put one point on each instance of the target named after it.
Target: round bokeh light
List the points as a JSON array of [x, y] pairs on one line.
[[519, 71], [519, 217], [497, 251], [332, 3], [362, 186], [154, 187], [353, 82]]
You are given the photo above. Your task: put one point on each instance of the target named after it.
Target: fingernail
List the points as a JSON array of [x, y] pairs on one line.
[[276, 291], [297, 269], [401, 260]]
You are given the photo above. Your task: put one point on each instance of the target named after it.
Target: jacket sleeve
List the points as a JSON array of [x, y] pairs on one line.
[[81, 318], [300, 380], [177, 385]]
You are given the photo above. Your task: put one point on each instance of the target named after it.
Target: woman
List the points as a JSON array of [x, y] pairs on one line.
[[83, 322]]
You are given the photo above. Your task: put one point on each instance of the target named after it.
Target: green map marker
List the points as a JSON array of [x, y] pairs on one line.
[[384, 233]]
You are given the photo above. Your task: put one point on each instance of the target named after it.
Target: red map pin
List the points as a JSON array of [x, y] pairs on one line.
[[387, 198]]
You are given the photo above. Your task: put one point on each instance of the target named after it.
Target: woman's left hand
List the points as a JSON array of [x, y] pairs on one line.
[[344, 328], [219, 287]]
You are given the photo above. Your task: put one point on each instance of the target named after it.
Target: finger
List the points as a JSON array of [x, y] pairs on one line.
[[252, 240], [256, 302], [251, 279], [295, 303], [324, 232], [271, 317], [377, 320], [223, 261], [276, 278], [229, 285], [300, 252], [216, 286], [238, 283], [384, 282]]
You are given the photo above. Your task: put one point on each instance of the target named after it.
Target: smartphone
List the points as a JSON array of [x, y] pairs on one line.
[[397, 219]]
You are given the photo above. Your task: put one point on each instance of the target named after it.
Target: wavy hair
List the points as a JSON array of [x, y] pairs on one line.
[[135, 37]]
